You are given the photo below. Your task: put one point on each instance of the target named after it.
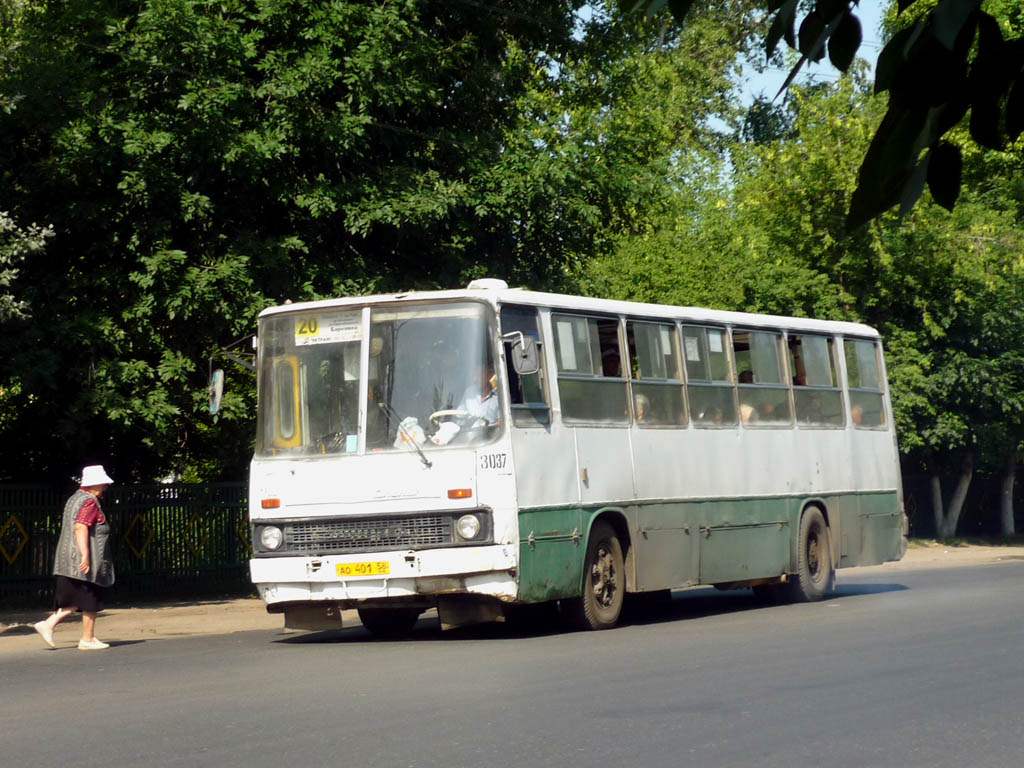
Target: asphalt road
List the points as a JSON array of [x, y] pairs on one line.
[[917, 668]]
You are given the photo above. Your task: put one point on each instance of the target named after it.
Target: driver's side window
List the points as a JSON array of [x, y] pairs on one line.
[[527, 393]]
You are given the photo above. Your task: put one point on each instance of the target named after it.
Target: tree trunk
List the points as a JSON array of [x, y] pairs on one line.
[[956, 504], [938, 511], [1006, 494]]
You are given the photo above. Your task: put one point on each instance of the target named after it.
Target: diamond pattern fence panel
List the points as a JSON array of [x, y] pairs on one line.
[[170, 541]]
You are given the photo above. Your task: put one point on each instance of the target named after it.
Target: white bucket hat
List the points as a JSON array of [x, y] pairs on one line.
[[94, 475]]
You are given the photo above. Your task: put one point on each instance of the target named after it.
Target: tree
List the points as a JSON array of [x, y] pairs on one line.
[[947, 58], [201, 162], [773, 236], [15, 244], [960, 379]]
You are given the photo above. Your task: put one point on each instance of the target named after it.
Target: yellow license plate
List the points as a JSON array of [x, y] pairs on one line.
[[371, 568]]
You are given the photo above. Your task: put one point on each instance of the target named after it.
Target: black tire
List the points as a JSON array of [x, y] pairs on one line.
[[814, 560], [604, 582], [389, 622]]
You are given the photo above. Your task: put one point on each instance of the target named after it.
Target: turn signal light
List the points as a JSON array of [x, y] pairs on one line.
[[460, 493], [270, 503]]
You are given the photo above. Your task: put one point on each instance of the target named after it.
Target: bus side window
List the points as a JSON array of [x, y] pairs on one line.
[[527, 393], [656, 380], [591, 384], [708, 380], [864, 381], [763, 392], [816, 393]]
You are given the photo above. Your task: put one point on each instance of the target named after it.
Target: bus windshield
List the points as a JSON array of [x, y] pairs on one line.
[[429, 380]]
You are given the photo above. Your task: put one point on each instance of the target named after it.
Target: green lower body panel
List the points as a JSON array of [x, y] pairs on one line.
[[743, 539], [551, 549], [725, 541], [880, 530]]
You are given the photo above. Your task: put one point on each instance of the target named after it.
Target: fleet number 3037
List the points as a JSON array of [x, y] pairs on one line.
[[493, 460]]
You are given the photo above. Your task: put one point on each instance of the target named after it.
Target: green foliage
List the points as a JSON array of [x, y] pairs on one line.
[[200, 162], [16, 244], [765, 122], [945, 59], [773, 238]]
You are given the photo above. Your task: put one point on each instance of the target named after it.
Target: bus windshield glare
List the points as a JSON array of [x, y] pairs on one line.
[[429, 376]]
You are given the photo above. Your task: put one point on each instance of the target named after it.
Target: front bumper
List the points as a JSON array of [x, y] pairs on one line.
[[487, 570]]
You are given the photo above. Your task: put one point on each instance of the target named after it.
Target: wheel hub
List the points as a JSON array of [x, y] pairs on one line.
[[813, 561], [603, 577]]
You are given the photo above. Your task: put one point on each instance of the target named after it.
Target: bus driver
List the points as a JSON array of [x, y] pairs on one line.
[[480, 400]]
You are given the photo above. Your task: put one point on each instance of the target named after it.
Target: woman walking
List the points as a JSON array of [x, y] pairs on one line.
[[83, 566]]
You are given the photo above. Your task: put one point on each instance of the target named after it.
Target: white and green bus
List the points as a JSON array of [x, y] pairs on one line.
[[471, 450]]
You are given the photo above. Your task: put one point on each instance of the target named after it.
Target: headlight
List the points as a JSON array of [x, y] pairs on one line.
[[271, 537], [468, 527]]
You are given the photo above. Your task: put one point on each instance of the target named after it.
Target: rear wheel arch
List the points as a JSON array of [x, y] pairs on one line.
[[830, 529], [814, 566], [616, 518]]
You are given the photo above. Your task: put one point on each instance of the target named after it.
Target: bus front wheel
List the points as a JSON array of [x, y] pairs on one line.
[[604, 581], [814, 560]]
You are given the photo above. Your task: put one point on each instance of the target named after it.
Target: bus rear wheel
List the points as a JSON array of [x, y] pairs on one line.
[[604, 581], [389, 622], [814, 560]]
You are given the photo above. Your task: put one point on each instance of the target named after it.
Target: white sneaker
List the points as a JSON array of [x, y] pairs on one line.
[[44, 632], [92, 645]]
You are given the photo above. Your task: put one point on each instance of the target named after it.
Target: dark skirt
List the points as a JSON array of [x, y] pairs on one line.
[[82, 595]]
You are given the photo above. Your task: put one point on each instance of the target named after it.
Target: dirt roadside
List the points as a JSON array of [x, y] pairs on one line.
[[219, 617]]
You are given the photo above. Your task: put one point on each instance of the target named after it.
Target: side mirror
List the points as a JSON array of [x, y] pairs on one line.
[[216, 390], [525, 355]]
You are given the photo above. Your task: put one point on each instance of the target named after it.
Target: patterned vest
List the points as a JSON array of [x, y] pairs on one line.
[[65, 563]]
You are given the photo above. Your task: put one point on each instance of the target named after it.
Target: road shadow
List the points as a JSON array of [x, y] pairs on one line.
[[547, 620], [125, 643], [853, 590], [523, 622], [12, 630], [65, 643], [705, 602]]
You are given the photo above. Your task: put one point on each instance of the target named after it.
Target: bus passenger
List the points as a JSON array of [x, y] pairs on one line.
[[642, 407], [857, 413], [799, 370], [747, 410], [713, 415]]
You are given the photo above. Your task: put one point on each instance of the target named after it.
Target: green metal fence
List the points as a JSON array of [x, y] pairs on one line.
[[169, 541]]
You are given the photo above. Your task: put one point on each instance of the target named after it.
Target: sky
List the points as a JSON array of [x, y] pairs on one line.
[[768, 83]]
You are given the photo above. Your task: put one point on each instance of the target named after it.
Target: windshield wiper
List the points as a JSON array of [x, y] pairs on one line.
[[392, 414]]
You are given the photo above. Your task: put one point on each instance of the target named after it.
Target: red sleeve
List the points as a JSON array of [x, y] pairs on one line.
[[89, 514]]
